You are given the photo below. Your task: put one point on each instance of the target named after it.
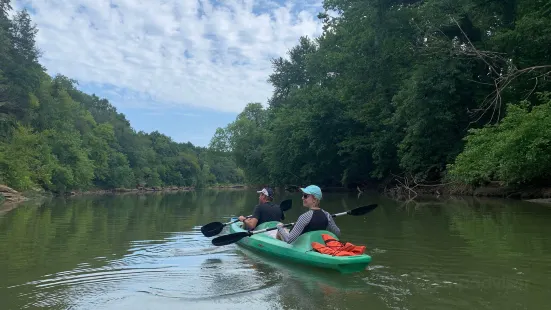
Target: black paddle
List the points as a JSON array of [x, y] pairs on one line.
[[214, 228], [232, 238]]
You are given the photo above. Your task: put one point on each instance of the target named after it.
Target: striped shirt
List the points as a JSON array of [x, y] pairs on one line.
[[302, 224]]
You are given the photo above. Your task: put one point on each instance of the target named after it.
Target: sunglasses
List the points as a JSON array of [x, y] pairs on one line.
[[305, 196]]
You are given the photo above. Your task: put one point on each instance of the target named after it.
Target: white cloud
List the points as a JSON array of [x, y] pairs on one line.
[[211, 54], [164, 113]]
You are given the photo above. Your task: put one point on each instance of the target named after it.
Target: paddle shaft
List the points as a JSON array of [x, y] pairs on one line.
[[339, 214], [231, 238], [268, 229], [214, 228], [228, 223], [285, 203], [291, 224]]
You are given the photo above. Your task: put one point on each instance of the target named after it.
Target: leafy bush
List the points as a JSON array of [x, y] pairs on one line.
[[516, 151]]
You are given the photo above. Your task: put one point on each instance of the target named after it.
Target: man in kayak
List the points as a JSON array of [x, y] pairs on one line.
[[313, 219], [265, 211]]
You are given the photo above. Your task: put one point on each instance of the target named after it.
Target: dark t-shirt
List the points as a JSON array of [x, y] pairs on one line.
[[267, 212]]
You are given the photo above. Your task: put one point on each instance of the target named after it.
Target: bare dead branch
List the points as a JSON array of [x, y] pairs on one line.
[[501, 69], [502, 80], [533, 88]]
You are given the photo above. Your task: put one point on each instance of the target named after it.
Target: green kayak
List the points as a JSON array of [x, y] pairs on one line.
[[300, 250]]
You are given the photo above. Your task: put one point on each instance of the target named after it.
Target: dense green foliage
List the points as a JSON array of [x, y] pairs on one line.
[[58, 138], [518, 150], [394, 86]]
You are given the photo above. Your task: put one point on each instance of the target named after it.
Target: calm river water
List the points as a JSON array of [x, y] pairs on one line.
[[146, 252]]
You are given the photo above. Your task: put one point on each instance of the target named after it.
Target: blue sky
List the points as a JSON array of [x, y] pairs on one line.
[[183, 68]]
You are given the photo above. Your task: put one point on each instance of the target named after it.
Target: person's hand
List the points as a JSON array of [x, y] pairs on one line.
[[242, 218], [279, 225]]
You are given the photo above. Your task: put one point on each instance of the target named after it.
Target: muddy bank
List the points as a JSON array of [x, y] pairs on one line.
[[494, 189], [403, 190], [153, 189], [130, 190], [9, 199], [9, 195]]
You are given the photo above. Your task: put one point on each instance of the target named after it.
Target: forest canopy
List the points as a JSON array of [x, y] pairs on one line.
[[433, 90]]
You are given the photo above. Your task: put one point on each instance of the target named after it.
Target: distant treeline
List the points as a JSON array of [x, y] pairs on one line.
[[55, 137]]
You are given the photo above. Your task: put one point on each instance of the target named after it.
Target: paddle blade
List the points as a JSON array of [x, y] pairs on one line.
[[212, 229], [286, 205], [362, 210], [229, 239]]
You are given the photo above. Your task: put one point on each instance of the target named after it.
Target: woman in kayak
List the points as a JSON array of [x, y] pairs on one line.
[[313, 219]]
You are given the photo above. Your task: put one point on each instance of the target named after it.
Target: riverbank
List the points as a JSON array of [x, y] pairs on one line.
[[10, 199], [406, 191], [396, 191], [9, 195], [151, 189]]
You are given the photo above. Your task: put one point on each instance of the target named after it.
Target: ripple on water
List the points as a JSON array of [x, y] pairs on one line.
[[397, 288], [184, 266]]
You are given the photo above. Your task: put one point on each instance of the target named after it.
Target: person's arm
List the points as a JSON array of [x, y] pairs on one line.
[[332, 226], [253, 220], [298, 228]]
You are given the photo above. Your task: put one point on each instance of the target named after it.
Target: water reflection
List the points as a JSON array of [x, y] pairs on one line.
[[146, 251]]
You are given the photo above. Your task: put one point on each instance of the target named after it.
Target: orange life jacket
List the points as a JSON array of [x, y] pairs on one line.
[[336, 248]]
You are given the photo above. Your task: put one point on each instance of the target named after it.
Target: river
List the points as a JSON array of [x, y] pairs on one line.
[[147, 252]]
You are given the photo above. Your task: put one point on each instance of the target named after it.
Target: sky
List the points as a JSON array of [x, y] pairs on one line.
[[182, 67]]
